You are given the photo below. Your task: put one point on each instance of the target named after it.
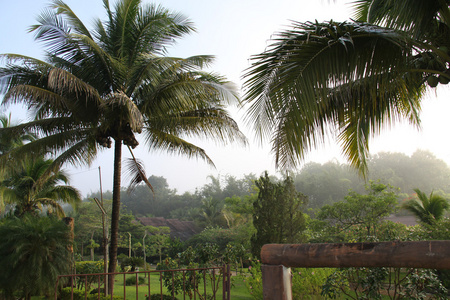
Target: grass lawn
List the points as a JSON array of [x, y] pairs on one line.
[[238, 290]]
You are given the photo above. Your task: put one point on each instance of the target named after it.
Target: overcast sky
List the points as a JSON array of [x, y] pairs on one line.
[[233, 31]]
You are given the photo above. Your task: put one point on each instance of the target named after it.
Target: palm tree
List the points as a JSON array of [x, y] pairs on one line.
[[30, 188], [33, 252], [349, 79], [427, 209], [9, 142], [114, 82]]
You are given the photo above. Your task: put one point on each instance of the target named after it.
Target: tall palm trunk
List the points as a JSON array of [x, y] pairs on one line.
[[115, 212]]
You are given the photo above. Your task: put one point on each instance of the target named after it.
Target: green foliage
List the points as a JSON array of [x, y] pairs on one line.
[[202, 256], [306, 282], [357, 214], [159, 240], [33, 252], [130, 263], [253, 281], [214, 235], [186, 282], [278, 213], [34, 185], [65, 294], [371, 283], [427, 209], [132, 280], [158, 297], [88, 222], [420, 283], [88, 267], [113, 82]]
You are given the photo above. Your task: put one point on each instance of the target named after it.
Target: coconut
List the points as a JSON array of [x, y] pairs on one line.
[[432, 81]]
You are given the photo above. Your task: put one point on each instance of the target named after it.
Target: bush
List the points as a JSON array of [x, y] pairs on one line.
[[309, 281], [131, 262], [65, 294], [158, 297], [132, 280], [254, 281]]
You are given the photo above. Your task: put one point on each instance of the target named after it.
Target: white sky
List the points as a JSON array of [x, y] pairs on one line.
[[231, 30]]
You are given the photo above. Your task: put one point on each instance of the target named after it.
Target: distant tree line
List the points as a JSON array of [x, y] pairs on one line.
[[323, 184]]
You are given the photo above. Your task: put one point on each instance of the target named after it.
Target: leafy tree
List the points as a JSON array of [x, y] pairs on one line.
[[210, 213], [30, 188], [239, 210], [330, 182], [360, 211], [113, 83], [88, 223], [33, 252], [326, 183], [427, 209], [159, 239], [352, 78], [92, 246], [9, 142], [278, 213], [421, 170]]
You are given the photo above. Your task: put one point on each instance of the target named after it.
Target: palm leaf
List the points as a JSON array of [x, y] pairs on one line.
[[135, 170]]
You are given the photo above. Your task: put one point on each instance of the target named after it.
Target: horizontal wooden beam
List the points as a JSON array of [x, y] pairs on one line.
[[422, 254]]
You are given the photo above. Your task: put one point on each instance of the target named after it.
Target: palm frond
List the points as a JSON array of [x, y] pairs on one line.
[[135, 170], [157, 140], [345, 76]]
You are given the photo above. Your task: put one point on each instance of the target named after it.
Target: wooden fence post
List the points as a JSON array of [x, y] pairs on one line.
[[277, 282]]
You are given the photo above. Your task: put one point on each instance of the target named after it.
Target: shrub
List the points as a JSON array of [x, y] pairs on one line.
[[309, 281], [78, 294], [158, 297], [254, 281], [132, 280]]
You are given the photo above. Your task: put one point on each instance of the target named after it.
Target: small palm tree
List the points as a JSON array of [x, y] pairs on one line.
[[33, 252], [30, 188], [427, 209], [8, 142]]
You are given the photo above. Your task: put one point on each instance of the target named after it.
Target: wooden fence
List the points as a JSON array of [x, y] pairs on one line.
[[277, 259]]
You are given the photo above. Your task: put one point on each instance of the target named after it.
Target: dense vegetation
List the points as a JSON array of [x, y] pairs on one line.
[[114, 82]]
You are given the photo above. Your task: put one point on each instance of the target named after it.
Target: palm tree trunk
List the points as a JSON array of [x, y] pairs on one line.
[[115, 212]]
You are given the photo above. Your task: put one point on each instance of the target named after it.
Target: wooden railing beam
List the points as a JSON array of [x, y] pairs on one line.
[[422, 254], [277, 259]]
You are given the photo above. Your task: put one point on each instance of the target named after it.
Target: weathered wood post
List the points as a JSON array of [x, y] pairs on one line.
[[422, 254], [277, 282]]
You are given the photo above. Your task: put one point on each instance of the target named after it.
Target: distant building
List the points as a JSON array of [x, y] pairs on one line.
[[178, 229]]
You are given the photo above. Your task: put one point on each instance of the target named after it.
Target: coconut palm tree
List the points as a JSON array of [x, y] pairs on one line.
[[33, 252], [427, 209], [30, 188], [9, 142], [114, 82], [349, 79]]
